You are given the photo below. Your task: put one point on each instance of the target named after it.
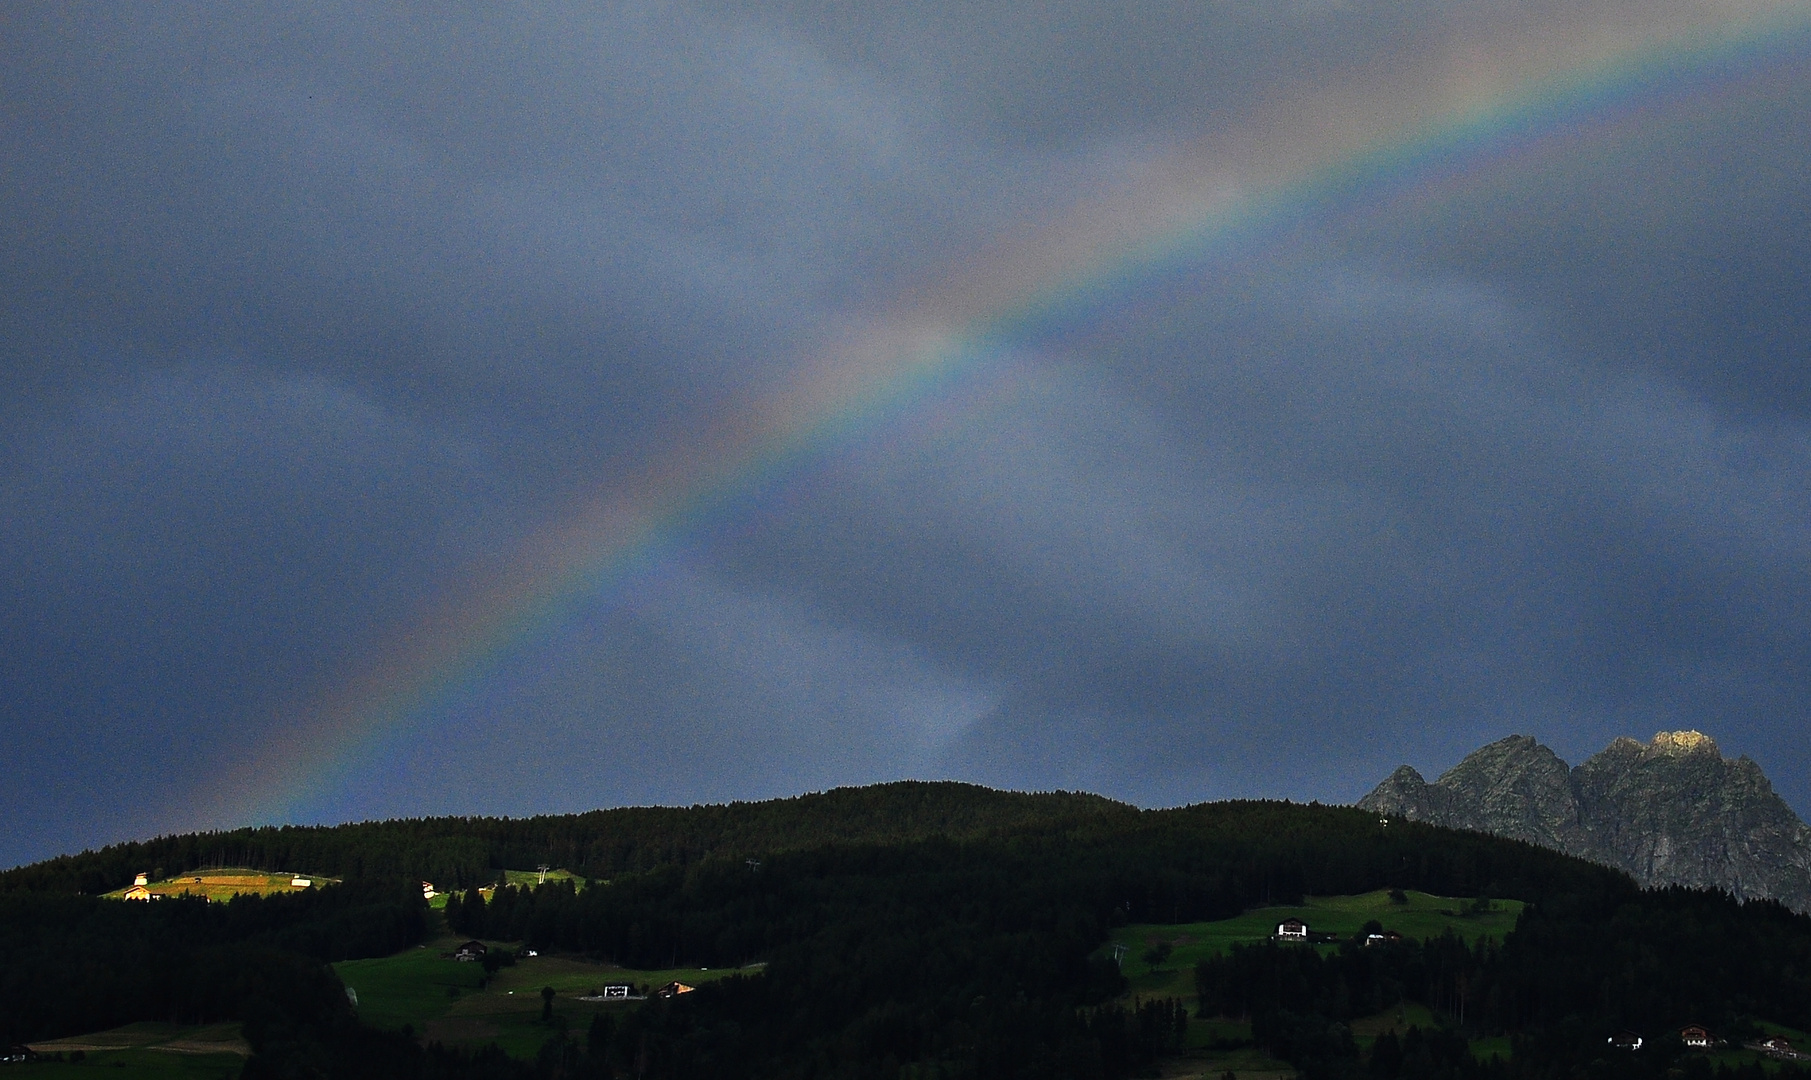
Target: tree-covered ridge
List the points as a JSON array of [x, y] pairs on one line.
[[456, 852], [971, 948], [1195, 863]]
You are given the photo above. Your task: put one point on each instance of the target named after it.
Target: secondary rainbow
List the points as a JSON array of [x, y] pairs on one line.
[[1097, 260]]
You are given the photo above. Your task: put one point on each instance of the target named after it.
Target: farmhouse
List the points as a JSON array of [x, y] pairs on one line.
[[1777, 1045], [1695, 1037], [1388, 937], [1292, 930], [142, 879], [471, 950], [138, 892], [427, 890], [300, 883], [1625, 1040], [674, 989]]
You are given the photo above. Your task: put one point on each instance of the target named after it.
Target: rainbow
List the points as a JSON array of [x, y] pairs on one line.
[[1102, 258]]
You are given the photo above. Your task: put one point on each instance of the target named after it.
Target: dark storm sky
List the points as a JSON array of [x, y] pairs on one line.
[[308, 321]]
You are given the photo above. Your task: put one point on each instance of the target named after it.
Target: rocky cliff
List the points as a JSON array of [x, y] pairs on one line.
[[1673, 811]]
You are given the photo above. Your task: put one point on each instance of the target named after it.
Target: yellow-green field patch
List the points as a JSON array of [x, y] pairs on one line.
[[175, 1051], [227, 883]]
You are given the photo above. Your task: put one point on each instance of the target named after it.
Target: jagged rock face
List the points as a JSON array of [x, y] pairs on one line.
[[1517, 787], [1673, 811], [1405, 794]]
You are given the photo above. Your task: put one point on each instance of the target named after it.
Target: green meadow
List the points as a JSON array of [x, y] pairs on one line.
[[152, 1063], [533, 877], [153, 1050], [528, 878], [1423, 916], [442, 1001]]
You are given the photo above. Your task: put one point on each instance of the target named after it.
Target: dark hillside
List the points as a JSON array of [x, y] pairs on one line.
[[70, 964], [460, 852], [928, 930]]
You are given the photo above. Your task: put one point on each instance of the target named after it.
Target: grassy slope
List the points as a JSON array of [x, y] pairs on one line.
[[1424, 916], [152, 1063], [416, 988], [529, 878], [533, 877], [151, 1050]]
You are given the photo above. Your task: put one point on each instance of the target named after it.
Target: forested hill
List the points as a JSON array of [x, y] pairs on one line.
[[915, 931], [460, 851]]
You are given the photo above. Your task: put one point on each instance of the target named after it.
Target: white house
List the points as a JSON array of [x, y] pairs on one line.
[[1292, 930], [142, 879], [300, 883]]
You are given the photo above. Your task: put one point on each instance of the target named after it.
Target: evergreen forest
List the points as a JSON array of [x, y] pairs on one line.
[[913, 931]]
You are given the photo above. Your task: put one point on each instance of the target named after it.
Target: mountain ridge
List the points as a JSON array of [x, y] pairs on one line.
[[1671, 811]]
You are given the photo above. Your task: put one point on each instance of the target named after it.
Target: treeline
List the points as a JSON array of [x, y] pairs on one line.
[[1568, 977], [460, 852], [920, 931], [73, 964], [1205, 862], [957, 959]]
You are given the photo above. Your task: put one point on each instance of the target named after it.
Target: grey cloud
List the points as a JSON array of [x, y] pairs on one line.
[[306, 320], [188, 553], [681, 690], [1338, 506]]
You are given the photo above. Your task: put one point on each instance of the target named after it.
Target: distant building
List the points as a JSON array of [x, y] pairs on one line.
[[1695, 1037], [301, 883], [674, 989], [471, 950], [1777, 1045], [138, 892], [427, 890], [1292, 930], [1625, 1040], [1388, 937], [620, 990], [142, 879]]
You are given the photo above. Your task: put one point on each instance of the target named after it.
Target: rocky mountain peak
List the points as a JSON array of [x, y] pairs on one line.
[[1683, 742], [1671, 811]]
